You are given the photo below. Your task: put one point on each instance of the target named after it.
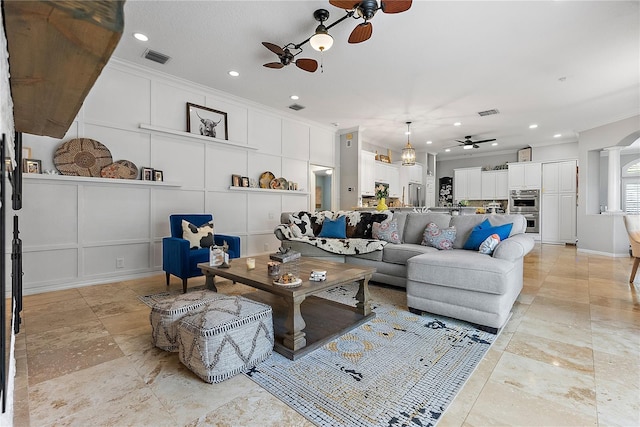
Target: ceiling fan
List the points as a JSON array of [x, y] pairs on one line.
[[366, 9], [286, 57], [468, 143]]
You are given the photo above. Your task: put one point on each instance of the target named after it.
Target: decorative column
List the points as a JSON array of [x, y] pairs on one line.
[[613, 184]]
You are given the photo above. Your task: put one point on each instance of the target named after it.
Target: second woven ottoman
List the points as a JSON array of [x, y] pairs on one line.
[[231, 335], [165, 315]]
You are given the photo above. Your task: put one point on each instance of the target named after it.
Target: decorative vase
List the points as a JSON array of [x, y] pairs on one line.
[[382, 206]]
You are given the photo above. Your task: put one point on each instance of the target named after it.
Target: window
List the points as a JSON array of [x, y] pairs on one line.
[[631, 187]]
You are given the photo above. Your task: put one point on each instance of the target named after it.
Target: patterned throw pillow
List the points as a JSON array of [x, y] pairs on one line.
[[438, 238], [198, 237], [303, 223], [387, 231], [489, 244]]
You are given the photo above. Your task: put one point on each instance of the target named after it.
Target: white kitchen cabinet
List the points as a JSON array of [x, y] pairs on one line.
[[558, 202], [389, 174], [525, 176], [495, 185], [467, 184], [415, 173], [367, 173]]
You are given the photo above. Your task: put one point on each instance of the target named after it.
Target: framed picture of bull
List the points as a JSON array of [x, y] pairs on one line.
[[206, 121]]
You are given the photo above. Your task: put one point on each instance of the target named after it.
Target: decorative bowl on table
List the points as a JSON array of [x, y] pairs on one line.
[[288, 280]]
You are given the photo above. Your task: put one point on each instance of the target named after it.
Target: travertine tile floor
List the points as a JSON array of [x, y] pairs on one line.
[[570, 355]]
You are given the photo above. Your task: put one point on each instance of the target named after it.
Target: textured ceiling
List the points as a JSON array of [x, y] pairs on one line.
[[564, 65]]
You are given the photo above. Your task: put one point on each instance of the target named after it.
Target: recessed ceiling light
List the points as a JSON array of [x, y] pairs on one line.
[[533, 126], [141, 37], [233, 73], [557, 135], [429, 142], [294, 97], [494, 144], [447, 150], [457, 124]]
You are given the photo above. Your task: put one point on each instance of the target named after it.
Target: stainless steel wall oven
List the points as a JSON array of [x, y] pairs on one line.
[[527, 203]]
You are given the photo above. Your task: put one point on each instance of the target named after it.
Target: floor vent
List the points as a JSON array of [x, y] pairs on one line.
[[488, 113], [297, 107], [154, 56]]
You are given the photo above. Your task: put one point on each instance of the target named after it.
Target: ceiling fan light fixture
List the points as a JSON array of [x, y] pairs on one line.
[[321, 40], [467, 147], [408, 153]]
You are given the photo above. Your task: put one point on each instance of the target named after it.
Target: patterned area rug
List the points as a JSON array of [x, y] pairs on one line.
[[399, 369]]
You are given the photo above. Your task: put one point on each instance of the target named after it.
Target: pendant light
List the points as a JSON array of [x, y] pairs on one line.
[[408, 153]]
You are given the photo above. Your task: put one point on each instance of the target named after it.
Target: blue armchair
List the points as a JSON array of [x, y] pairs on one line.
[[181, 261]]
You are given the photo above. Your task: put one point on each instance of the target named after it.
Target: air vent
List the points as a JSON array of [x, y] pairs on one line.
[[297, 107], [488, 113], [154, 56]]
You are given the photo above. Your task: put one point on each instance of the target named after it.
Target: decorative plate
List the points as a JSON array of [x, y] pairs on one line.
[[294, 284], [81, 157], [265, 179], [279, 184], [121, 169]]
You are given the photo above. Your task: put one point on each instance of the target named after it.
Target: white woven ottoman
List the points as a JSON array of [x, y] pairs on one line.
[[233, 334], [165, 315]]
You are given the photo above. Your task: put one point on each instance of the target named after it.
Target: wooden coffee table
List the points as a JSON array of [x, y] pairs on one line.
[[302, 321]]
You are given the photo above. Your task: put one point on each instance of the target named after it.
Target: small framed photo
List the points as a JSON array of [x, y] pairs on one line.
[[146, 174], [235, 180], [245, 181], [524, 155], [26, 152], [206, 121], [31, 166], [157, 175]]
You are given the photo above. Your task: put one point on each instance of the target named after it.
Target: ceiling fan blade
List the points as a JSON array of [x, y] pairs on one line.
[[274, 65], [484, 140], [395, 6], [361, 33], [344, 4], [461, 142], [274, 48], [307, 64]]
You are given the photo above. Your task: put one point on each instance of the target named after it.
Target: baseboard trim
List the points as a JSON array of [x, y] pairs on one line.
[[608, 254]]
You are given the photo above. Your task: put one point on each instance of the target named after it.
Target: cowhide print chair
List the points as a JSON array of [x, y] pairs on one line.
[[632, 222]]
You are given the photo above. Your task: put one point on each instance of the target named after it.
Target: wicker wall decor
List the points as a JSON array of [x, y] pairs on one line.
[[120, 169], [82, 157]]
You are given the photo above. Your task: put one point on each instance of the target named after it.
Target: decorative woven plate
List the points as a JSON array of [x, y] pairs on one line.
[[265, 179], [81, 157], [121, 169], [279, 184], [294, 284]]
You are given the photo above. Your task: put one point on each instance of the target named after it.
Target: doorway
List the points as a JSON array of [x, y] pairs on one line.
[[321, 185]]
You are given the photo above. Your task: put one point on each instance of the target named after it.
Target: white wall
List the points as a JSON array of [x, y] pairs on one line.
[[600, 233], [90, 222], [555, 152]]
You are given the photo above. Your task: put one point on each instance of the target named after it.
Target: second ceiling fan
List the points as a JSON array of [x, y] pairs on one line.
[[468, 143]]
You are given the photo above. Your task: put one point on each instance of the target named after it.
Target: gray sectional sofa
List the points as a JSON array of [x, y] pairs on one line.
[[459, 283]]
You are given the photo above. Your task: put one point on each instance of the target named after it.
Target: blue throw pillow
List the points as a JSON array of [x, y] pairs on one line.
[[479, 235], [334, 228]]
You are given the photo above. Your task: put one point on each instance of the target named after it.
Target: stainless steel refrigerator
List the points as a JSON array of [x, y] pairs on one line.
[[416, 197]]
